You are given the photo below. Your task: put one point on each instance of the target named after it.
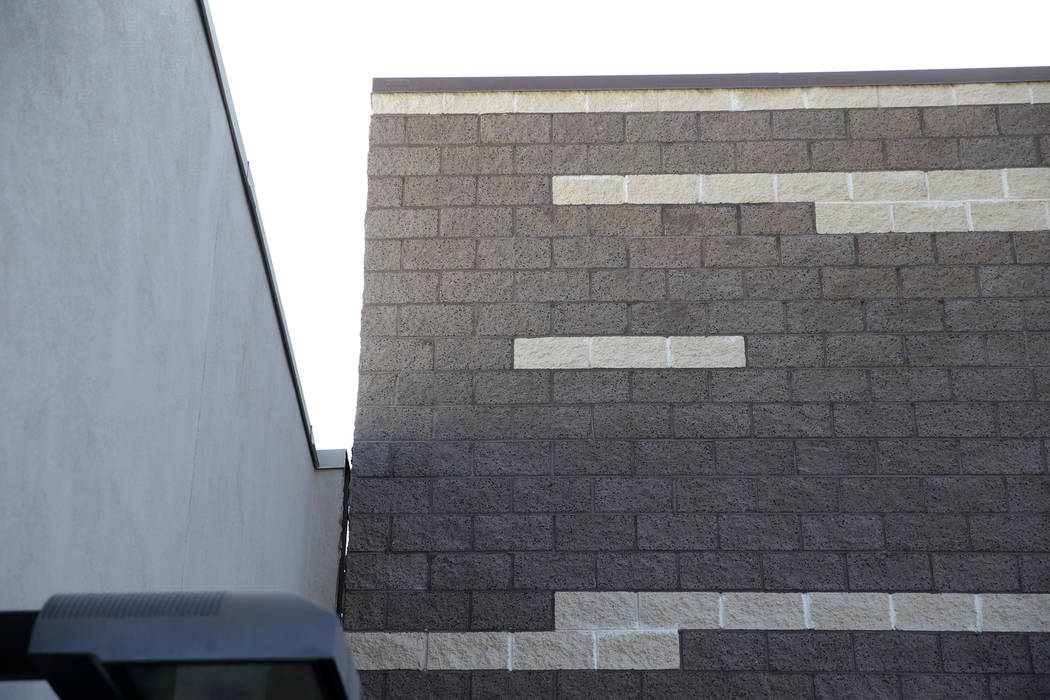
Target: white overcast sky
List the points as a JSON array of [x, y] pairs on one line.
[[301, 72]]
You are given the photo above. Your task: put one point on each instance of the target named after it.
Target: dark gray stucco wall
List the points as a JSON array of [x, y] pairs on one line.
[[150, 437]]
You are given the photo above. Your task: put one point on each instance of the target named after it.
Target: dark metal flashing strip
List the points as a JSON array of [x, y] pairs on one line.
[[253, 208], [946, 76]]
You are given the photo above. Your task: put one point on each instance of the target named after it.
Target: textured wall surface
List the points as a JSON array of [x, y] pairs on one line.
[[884, 431]]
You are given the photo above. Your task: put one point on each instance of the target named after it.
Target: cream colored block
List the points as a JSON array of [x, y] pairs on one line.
[[382, 650], [959, 185], [850, 217], [929, 216], [623, 101], [889, 186], [663, 189], [766, 98], [407, 102], [937, 612], [990, 93], [849, 611], [915, 95], [746, 187], [812, 187], [707, 351], [638, 650], [540, 651], [551, 101], [1028, 215], [628, 351], [838, 97], [763, 611], [1015, 612], [678, 610], [694, 100], [1040, 92], [551, 353], [478, 102], [588, 610], [461, 651], [1028, 183], [588, 189]]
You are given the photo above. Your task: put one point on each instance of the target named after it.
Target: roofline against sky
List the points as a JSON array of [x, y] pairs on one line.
[[944, 76]]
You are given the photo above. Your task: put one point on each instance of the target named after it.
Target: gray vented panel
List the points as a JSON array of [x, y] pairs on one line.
[[133, 605]]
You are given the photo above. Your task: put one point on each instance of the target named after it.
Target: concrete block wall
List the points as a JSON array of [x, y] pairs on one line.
[[720, 391]]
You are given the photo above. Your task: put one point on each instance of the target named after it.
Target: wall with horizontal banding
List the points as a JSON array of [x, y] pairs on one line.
[[744, 391]]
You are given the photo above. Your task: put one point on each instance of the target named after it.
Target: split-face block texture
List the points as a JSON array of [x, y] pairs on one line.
[[886, 434]]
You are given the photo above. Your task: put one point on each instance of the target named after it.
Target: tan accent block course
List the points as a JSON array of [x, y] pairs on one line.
[[588, 610], [694, 100], [767, 98], [990, 93], [638, 650], [1040, 92], [708, 351], [467, 650], [839, 97], [407, 103], [588, 189], [551, 101], [849, 611], [685, 610], [733, 188], [959, 185], [628, 351], [1015, 612], [850, 217], [1028, 215], [929, 217], [385, 650], [663, 189], [772, 611], [558, 650], [915, 95], [812, 187], [479, 102], [936, 612], [551, 353], [889, 186], [623, 101], [1028, 183]]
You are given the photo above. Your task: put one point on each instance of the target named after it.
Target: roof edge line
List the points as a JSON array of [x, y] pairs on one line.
[[938, 76]]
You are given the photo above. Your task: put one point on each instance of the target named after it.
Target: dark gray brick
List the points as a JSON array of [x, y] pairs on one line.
[[600, 457], [884, 123], [783, 283], [985, 653], [1019, 686], [798, 494], [392, 423], [998, 152], [427, 685], [590, 252], [698, 158], [950, 349], [364, 611], [594, 532], [514, 253], [675, 385], [513, 532], [754, 456], [842, 532], [809, 124], [550, 221], [720, 571], [859, 282], [430, 458], [1029, 494], [632, 571], [470, 495], [1024, 119], [1008, 349], [696, 219], [674, 457], [553, 285], [1015, 280], [914, 532], [471, 422], [382, 255], [429, 533], [772, 156], [1037, 314], [632, 421], [882, 495], [560, 495], [734, 126], [588, 128], [740, 251], [948, 419], [704, 285], [973, 248], [515, 386], [472, 160], [1032, 247], [440, 190], [512, 610], [979, 572], [370, 571], [736, 317], [442, 128], [909, 652], [677, 532], [1035, 573], [824, 316], [400, 287], [895, 249], [515, 128], [517, 685], [386, 128], [711, 420], [792, 419], [829, 385], [836, 456], [617, 158], [590, 386], [857, 685], [377, 389], [868, 350], [419, 610], [784, 350], [874, 420], [922, 154], [470, 571], [983, 315], [514, 319], [911, 384], [474, 222], [513, 189], [433, 254], [596, 685], [1011, 533], [662, 126], [847, 155], [922, 456], [473, 353], [717, 495], [666, 252], [384, 192], [777, 219], [992, 384], [959, 121], [369, 534], [430, 388], [632, 495], [552, 423], [628, 285], [370, 459], [719, 650], [804, 571], [762, 532], [403, 160], [889, 571], [625, 220], [749, 384], [435, 319], [817, 250], [810, 651], [768, 685], [938, 281]]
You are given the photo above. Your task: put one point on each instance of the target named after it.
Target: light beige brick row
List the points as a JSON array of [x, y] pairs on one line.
[[849, 611], [839, 97], [623, 101], [1015, 612], [766, 98], [622, 351], [852, 217], [678, 610], [454, 651], [552, 353], [929, 216], [763, 611], [962, 185], [586, 610], [1028, 215], [478, 102], [387, 650], [935, 612], [740, 187], [707, 351], [694, 100], [1040, 92], [588, 189], [990, 93], [889, 186], [407, 103], [553, 650], [915, 95], [551, 101], [1028, 183], [663, 189], [812, 187], [638, 650]]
